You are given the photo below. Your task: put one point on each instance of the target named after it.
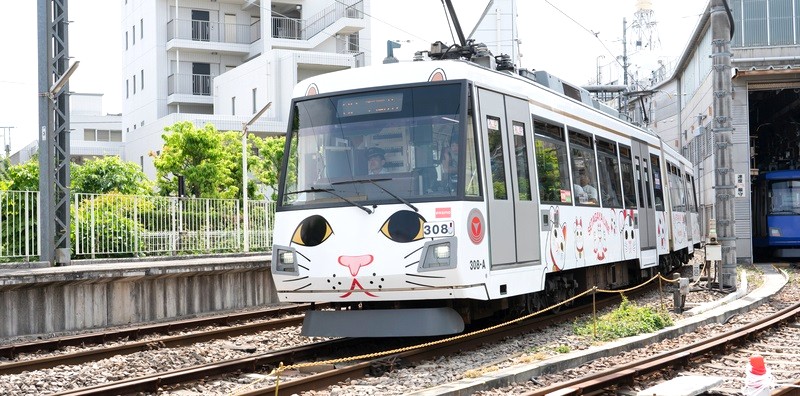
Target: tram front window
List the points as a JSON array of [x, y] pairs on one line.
[[369, 146], [785, 197]]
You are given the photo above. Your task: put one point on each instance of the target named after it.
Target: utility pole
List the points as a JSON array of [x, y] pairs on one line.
[[54, 72], [625, 68], [721, 28], [7, 140], [245, 204]]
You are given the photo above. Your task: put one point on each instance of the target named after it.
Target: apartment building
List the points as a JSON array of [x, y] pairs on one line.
[[221, 61]]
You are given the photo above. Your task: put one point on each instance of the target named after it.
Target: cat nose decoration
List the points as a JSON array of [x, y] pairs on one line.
[[354, 263]]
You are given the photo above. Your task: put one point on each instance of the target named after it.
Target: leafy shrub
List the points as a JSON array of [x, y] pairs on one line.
[[625, 321]]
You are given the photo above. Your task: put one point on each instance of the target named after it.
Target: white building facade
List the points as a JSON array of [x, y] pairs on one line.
[[92, 133], [221, 61]]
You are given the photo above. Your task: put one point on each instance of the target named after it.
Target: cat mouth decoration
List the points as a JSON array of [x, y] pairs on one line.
[[354, 264]]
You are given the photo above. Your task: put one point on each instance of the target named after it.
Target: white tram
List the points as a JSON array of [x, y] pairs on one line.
[[478, 208]]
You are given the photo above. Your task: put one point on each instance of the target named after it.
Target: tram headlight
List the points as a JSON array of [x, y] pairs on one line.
[[439, 254], [287, 258], [442, 251], [774, 231], [284, 261]]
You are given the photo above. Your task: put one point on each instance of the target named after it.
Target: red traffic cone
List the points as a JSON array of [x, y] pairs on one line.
[[757, 365], [758, 380]]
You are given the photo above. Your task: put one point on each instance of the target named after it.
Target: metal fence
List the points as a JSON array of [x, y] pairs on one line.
[[114, 225], [19, 224], [304, 29], [215, 32]]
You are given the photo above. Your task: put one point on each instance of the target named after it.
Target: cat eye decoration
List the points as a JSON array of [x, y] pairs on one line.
[[312, 231], [403, 226]]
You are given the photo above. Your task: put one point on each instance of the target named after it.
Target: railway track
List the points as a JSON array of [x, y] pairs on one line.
[[232, 326], [696, 357], [295, 381]]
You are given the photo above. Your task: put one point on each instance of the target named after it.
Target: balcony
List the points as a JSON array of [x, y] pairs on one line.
[[304, 29], [216, 36], [190, 88]]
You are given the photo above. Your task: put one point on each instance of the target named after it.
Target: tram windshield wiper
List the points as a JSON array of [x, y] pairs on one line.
[[330, 191], [362, 181]]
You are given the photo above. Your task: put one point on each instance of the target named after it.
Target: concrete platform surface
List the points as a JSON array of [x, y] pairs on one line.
[[689, 385]]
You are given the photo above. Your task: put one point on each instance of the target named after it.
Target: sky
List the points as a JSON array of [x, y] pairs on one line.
[[556, 35]]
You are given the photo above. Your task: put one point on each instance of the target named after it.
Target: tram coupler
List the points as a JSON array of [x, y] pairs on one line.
[[680, 292]]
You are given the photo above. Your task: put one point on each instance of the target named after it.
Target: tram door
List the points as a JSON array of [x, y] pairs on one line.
[[508, 157], [647, 213]]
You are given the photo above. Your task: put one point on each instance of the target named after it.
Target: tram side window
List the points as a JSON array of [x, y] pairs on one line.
[[638, 173], [676, 189], [583, 168], [608, 165], [551, 163], [521, 152], [497, 158], [647, 183], [658, 184], [691, 195], [472, 187], [628, 179]]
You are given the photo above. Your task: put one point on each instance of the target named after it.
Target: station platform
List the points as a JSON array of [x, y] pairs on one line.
[[89, 294], [718, 311]]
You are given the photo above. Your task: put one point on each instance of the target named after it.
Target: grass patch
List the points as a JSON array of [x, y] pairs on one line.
[[563, 348], [625, 321]]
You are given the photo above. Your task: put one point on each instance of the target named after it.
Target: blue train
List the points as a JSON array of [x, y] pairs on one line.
[[776, 214]]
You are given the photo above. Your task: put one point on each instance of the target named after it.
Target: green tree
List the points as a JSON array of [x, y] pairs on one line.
[[266, 167], [110, 174], [202, 156], [22, 177]]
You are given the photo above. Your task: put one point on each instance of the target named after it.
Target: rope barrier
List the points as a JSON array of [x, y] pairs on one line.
[[594, 290]]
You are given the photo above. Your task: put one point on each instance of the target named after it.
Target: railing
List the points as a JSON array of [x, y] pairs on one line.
[[217, 32], [111, 224], [304, 29], [357, 55], [189, 84], [19, 224], [114, 225]]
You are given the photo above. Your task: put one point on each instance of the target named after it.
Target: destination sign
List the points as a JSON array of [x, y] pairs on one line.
[[370, 104]]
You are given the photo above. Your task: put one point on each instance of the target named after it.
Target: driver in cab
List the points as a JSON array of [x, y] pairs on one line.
[[376, 160]]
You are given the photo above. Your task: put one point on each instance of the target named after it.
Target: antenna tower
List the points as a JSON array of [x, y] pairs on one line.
[[644, 27]]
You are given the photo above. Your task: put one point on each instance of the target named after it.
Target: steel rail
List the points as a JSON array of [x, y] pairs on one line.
[[9, 351], [626, 373], [151, 383], [358, 370]]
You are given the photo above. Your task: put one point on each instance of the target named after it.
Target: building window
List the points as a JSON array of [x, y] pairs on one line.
[[142, 123], [233, 105], [141, 28], [102, 135], [134, 127], [127, 89], [254, 101], [134, 84], [126, 40], [141, 162], [133, 36], [352, 42], [142, 78]]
